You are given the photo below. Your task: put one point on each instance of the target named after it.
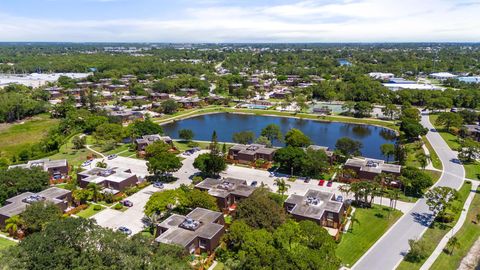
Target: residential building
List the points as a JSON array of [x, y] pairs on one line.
[[126, 116], [17, 205], [368, 169], [188, 91], [113, 179], [199, 231], [246, 154], [328, 151], [227, 191], [57, 169], [381, 75], [146, 140], [442, 76], [188, 103], [320, 207], [473, 131]]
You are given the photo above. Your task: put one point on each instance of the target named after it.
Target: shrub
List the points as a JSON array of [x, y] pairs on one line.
[[197, 179], [417, 252], [97, 207], [193, 144], [118, 206]]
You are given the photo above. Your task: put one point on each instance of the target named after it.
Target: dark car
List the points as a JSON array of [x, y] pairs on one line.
[[124, 230], [110, 157], [158, 185], [307, 180], [254, 183], [329, 183], [127, 203], [339, 198]]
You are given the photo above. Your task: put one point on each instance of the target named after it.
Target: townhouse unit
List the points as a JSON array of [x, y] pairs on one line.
[[57, 169], [328, 151], [250, 153], [114, 179], [17, 205], [368, 169], [320, 207], [146, 140], [199, 231], [226, 191]]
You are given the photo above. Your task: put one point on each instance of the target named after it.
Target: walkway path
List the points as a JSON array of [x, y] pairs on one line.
[[389, 250], [94, 151], [443, 243], [9, 238]]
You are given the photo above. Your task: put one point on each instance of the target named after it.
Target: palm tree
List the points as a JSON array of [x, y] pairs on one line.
[[353, 220], [381, 180], [152, 221], [13, 225], [453, 243], [423, 159], [95, 189], [345, 189], [282, 186]]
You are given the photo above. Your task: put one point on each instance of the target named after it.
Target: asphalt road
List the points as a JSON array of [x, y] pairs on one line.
[[389, 250]]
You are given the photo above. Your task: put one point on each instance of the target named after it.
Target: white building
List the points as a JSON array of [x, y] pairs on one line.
[[443, 76], [381, 76]]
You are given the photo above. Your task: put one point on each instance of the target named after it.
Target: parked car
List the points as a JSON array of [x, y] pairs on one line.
[[110, 157], [329, 183], [339, 198], [321, 182], [124, 230], [127, 203], [86, 163], [158, 185], [307, 180], [254, 183]]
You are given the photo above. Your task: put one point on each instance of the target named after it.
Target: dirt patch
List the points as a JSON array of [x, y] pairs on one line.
[[472, 260]]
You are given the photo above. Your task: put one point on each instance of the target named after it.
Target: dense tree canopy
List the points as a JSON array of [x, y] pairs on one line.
[[18, 180]]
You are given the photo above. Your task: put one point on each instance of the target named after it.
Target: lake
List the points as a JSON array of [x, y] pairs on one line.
[[321, 133]]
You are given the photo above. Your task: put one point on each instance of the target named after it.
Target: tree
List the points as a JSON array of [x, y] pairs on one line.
[[101, 164], [348, 147], [282, 186], [290, 159], [163, 163], [79, 142], [260, 211], [469, 116], [470, 150], [348, 106], [418, 251], [95, 189], [423, 159], [18, 180], [439, 200], [263, 141], [390, 110], [243, 137], [140, 128], [13, 225], [156, 149], [38, 215], [452, 244], [161, 202], [412, 129], [272, 132], [169, 106], [416, 180], [363, 109], [186, 134], [210, 165], [388, 150], [108, 132], [449, 119], [296, 138]]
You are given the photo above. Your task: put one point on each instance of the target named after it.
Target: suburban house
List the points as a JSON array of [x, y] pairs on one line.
[[16, 205], [227, 191], [242, 153], [199, 231], [57, 169], [473, 131], [146, 140], [367, 169], [114, 179], [188, 91], [330, 154], [188, 103], [126, 116], [281, 94], [320, 207], [159, 96]]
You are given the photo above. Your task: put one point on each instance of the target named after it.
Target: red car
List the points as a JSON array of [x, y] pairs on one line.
[[329, 183], [321, 182]]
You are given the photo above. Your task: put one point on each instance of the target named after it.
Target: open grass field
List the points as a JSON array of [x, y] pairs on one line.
[[73, 156], [466, 236], [373, 223], [17, 136], [437, 231]]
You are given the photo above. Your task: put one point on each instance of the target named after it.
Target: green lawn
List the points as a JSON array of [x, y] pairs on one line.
[[73, 156], [87, 213], [472, 170], [467, 236], [437, 231], [450, 139], [437, 164], [412, 150], [219, 266], [15, 137], [373, 223], [5, 243]]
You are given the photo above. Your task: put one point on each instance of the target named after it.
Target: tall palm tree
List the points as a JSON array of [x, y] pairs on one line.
[[13, 225], [152, 221], [345, 189], [453, 243], [95, 189], [282, 186], [353, 220]]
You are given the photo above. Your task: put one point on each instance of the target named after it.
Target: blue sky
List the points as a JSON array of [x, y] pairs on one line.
[[240, 20]]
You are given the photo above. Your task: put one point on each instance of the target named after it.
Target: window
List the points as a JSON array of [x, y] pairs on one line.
[[203, 243]]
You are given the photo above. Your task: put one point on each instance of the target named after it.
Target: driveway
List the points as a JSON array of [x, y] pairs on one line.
[[389, 250]]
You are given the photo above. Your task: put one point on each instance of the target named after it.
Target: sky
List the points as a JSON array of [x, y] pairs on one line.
[[219, 21]]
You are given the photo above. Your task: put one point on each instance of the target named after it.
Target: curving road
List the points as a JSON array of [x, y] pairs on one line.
[[388, 251]]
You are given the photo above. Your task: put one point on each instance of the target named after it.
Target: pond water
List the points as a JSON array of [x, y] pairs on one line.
[[321, 133]]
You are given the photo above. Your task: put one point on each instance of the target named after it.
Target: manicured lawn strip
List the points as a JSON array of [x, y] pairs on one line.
[[120, 148], [437, 164], [16, 137], [434, 234], [5, 243], [370, 228], [412, 150], [73, 156], [467, 235], [472, 170], [449, 138], [87, 213]]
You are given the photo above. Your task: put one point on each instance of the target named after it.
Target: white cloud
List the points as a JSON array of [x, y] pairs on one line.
[[304, 21]]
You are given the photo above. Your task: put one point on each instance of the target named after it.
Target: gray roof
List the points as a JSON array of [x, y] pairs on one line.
[[16, 205], [373, 165], [224, 187], [323, 203], [183, 237], [253, 149], [148, 139], [99, 175], [43, 163]]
